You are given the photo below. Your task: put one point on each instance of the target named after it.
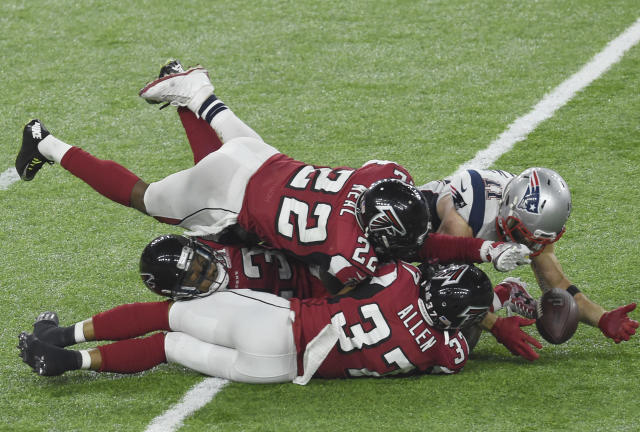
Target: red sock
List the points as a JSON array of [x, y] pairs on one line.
[[202, 138], [133, 355], [131, 320], [108, 178]]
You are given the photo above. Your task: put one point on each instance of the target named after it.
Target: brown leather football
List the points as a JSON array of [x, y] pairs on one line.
[[557, 316]]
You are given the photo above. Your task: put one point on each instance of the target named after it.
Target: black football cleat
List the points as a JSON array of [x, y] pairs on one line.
[[45, 359], [172, 66], [28, 349], [49, 318], [46, 328], [22, 346], [30, 160]]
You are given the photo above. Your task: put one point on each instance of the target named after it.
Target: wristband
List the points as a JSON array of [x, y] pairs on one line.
[[573, 290]]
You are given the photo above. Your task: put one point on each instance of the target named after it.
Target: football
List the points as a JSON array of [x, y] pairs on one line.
[[557, 316]]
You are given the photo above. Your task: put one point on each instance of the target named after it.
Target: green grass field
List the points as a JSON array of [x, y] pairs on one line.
[[427, 84]]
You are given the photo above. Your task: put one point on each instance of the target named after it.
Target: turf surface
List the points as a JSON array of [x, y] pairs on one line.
[[426, 84]]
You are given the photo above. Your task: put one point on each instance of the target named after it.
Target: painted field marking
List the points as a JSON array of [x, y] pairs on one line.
[[550, 103], [197, 397], [8, 177]]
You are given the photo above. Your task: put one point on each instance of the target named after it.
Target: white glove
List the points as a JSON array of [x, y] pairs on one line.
[[505, 256]]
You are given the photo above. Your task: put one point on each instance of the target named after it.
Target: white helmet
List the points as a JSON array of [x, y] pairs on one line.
[[534, 209]]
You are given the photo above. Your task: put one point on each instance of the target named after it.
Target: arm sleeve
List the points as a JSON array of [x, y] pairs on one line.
[[447, 249]]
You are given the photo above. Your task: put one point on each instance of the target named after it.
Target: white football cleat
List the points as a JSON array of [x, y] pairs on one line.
[[189, 88]]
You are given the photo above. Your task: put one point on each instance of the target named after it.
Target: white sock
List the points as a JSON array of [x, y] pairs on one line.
[[86, 359], [199, 98], [228, 126], [53, 149], [79, 332]]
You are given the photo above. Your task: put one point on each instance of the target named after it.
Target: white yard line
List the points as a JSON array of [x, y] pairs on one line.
[[8, 177], [199, 395], [550, 103]]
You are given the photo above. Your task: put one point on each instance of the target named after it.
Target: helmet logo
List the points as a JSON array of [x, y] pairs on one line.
[[472, 314], [387, 221], [452, 275], [531, 198]]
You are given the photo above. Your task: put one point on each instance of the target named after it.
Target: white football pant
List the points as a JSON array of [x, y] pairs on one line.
[[206, 198], [239, 335]]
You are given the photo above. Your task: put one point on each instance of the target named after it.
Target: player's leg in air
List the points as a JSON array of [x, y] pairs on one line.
[[202, 138], [108, 178], [216, 182], [192, 89], [241, 335]]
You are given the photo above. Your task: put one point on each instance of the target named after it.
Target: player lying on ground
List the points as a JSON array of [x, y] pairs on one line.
[[453, 211], [397, 323], [342, 220], [164, 271], [203, 140], [531, 208]]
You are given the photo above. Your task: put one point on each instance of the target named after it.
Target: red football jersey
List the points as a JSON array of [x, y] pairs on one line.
[[309, 211], [270, 271], [381, 330]]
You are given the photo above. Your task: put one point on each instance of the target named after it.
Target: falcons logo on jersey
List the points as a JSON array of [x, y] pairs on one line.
[[387, 221], [531, 198]]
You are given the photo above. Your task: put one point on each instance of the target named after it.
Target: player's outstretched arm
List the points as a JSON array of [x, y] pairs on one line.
[[615, 324], [448, 249]]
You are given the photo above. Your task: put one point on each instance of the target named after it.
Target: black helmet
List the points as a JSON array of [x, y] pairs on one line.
[[394, 216], [456, 296], [169, 258]]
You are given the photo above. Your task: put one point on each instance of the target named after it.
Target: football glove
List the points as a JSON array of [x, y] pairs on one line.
[[520, 301], [505, 256], [507, 331], [617, 325]]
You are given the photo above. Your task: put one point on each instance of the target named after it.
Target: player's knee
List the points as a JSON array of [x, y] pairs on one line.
[[256, 368]]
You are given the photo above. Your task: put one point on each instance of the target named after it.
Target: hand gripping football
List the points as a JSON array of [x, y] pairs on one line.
[[557, 316]]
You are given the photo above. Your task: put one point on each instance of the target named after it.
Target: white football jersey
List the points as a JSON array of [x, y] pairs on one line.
[[476, 195]]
